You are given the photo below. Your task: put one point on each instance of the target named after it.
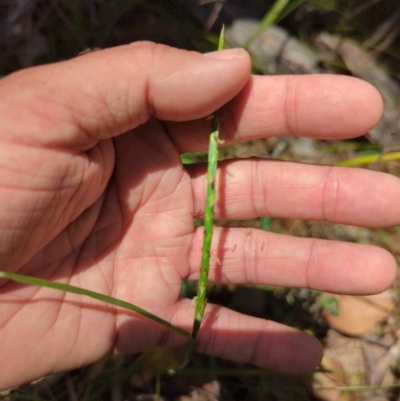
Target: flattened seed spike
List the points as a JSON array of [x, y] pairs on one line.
[[201, 299]]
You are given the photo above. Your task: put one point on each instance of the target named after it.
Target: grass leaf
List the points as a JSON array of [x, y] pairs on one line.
[[19, 278]]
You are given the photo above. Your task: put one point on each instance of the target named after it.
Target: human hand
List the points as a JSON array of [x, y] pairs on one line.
[[94, 194]]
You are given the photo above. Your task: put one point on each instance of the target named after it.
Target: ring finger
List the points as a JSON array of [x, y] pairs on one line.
[[251, 256]]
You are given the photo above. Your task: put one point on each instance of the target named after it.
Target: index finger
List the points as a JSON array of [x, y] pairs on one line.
[[78, 102], [315, 106]]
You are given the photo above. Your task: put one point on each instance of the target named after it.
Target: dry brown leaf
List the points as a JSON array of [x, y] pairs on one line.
[[360, 314]]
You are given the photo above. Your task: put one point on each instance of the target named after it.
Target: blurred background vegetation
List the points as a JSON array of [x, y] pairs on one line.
[[354, 37]]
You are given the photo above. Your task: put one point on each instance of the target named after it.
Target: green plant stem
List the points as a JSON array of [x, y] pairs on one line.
[[19, 278]]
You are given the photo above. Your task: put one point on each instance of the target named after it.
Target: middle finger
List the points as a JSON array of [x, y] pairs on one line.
[[248, 189]]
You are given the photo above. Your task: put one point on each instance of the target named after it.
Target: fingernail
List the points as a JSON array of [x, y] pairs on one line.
[[227, 54]]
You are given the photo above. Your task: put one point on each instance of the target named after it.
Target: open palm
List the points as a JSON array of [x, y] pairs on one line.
[[94, 194]]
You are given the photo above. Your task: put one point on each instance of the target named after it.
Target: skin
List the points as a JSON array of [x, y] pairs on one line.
[[93, 194]]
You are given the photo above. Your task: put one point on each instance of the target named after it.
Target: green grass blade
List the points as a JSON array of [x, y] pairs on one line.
[[367, 159], [293, 4], [221, 40], [19, 278], [270, 17]]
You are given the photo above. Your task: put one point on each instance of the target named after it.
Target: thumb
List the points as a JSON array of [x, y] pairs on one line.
[[77, 102]]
